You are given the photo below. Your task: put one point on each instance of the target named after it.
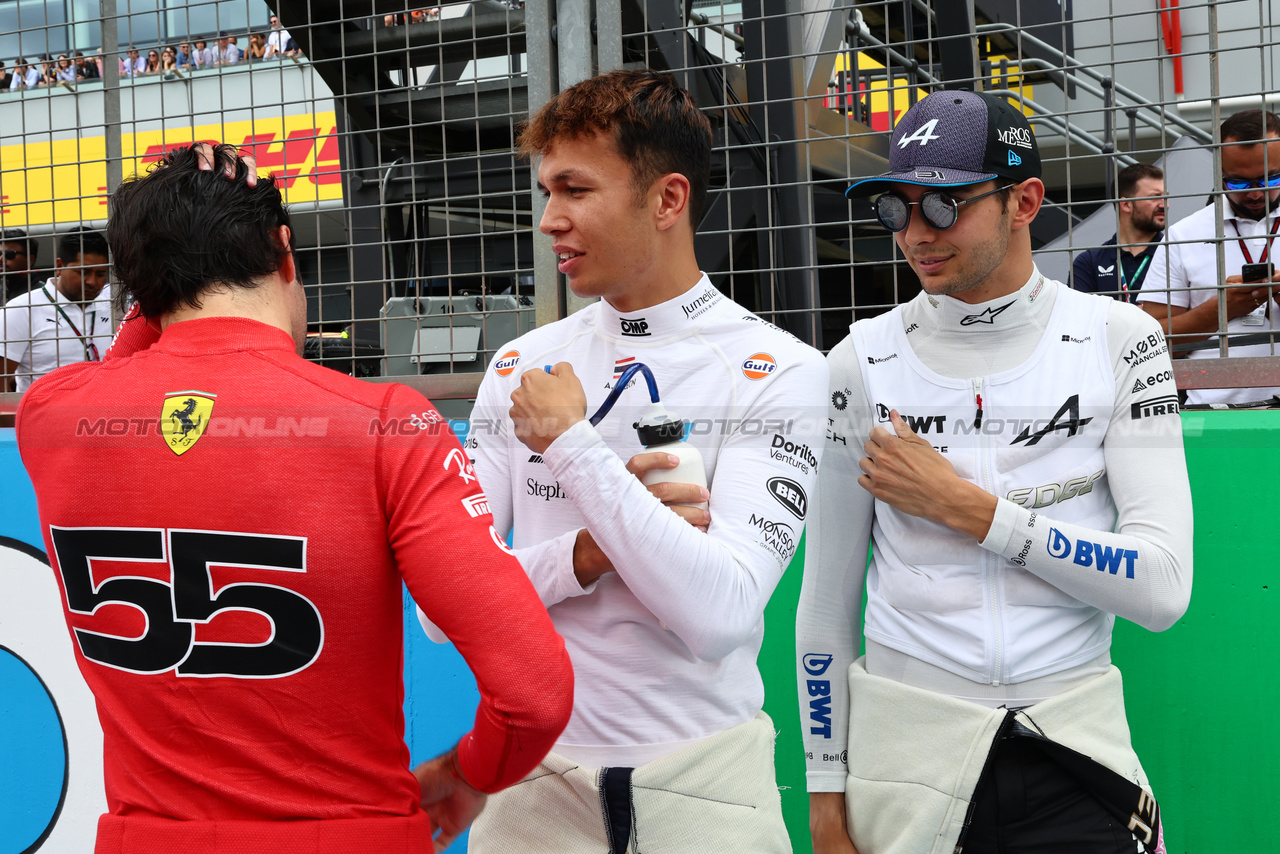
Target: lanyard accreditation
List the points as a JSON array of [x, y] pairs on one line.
[[90, 349], [1137, 277]]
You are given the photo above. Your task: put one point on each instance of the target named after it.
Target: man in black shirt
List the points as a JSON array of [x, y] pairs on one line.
[[1118, 267]]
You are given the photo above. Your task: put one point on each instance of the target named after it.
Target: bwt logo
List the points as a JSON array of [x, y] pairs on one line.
[[816, 664], [1059, 546], [1105, 558], [634, 328]]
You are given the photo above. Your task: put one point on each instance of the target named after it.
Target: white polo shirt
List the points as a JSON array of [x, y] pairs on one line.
[[43, 330], [1184, 272]]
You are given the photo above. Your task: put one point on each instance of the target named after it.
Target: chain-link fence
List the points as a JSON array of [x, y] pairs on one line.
[[392, 129]]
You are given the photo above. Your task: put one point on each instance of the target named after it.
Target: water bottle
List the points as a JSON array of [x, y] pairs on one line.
[[661, 431]]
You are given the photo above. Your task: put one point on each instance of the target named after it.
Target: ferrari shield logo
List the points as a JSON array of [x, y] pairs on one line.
[[184, 418]]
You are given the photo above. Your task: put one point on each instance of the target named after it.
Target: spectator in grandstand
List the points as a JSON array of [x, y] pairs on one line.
[[63, 321], [663, 620], [297, 743], [228, 53], [19, 257], [153, 63], [984, 436], [86, 70], [48, 70], [132, 64], [25, 76], [1118, 267], [184, 55], [202, 56], [168, 62], [279, 42], [5, 78], [257, 46], [1182, 290], [63, 70]]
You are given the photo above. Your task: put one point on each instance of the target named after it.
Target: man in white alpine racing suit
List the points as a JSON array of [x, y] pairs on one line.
[[1012, 450]]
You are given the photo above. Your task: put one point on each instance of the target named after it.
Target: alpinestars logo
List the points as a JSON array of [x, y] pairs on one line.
[[1072, 424], [988, 315]]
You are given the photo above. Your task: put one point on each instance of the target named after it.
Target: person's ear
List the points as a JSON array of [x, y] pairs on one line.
[[671, 194], [1026, 201]]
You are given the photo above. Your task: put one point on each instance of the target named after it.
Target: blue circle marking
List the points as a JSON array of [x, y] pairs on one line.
[[33, 757]]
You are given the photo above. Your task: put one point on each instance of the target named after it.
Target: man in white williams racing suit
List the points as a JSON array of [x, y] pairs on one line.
[[668, 749], [1012, 450]]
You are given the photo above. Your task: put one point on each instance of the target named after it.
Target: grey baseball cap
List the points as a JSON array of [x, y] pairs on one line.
[[957, 137]]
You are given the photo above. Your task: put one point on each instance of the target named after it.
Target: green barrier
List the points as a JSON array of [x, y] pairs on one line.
[[1201, 697]]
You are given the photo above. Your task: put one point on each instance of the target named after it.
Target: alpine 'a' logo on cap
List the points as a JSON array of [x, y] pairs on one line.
[[922, 135]]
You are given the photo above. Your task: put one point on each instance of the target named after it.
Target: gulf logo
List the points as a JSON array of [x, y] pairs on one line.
[[758, 366], [507, 363]]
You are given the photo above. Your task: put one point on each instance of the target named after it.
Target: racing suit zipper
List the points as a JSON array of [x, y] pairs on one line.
[[987, 482]]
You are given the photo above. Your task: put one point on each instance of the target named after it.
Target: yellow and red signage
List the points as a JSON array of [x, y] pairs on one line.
[[65, 181]]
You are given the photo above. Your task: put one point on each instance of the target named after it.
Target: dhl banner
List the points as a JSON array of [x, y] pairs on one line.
[[65, 181]]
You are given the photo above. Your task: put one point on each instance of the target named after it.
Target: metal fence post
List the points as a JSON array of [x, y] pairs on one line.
[[111, 112]]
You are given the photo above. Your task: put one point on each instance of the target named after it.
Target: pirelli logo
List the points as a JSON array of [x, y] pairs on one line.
[[1164, 405]]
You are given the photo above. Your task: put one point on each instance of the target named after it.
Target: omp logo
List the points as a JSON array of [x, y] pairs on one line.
[[790, 495], [988, 315], [634, 328], [506, 363], [476, 505], [1086, 553], [1164, 405], [816, 664], [1021, 137], [758, 366], [819, 690], [1058, 546]]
